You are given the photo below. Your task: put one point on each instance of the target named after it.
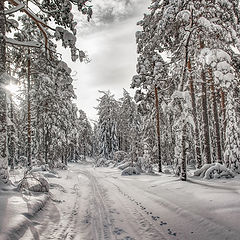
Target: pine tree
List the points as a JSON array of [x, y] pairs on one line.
[[62, 15], [3, 97], [85, 134], [107, 110], [232, 143], [197, 36]]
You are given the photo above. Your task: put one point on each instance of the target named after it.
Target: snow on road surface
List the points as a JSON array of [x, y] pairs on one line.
[[100, 204]]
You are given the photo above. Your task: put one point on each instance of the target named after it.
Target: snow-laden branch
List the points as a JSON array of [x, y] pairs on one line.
[[22, 44], [30, 13], [40, 24], [14, 9], [42, 9]]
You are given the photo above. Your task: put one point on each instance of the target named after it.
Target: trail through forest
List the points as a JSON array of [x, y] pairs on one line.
[[100, 204]]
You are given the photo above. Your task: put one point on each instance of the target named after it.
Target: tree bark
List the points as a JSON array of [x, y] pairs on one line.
[[205, 119], [29, 143], [184, 163], [3, 98], [207, 148], [11, 138], [195, 119], [11, 130], [223, 117], [158, 131], [216, 118]]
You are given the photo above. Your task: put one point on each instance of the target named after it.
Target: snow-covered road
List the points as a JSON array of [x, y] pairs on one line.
[[100, 204]]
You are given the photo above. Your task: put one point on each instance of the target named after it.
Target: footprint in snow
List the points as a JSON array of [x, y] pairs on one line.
[[128, 238], [118, 231], [171, 233], [163, 223], [155, 218]]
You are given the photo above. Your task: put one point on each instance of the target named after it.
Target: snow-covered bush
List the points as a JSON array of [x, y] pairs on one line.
[[130, 171], [214, 170], [60, 165], [44, 167], [167, 171], [100, 162], [145, 162], [21, 161], [116, 164], [34, 182], [109, 163], [124, 165], [103, 162], [119, 156]]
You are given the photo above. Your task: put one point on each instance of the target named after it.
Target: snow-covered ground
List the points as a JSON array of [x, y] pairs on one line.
[[98, 203]]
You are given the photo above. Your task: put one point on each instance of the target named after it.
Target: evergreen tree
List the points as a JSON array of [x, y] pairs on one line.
[[61, 13], [108, 118]]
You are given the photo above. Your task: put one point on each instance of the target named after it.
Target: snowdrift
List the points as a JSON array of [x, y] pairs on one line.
[[102, 162], [124, 164], [214, 171], [130, 171], [34, 182]]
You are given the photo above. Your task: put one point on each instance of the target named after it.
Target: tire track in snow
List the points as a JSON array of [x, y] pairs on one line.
[[142, 225], [102, 223]]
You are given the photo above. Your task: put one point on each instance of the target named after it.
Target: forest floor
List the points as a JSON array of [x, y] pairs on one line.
[[99, 204]]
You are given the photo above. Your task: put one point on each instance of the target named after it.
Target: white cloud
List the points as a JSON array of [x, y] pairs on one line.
[[112, 49]]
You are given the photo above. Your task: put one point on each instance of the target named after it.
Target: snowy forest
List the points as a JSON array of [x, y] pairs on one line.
[[179, 130]]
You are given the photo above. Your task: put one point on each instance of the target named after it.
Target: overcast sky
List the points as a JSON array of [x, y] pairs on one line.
[[110, 42]]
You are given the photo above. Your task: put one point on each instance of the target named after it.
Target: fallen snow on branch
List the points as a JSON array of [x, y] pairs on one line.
[[125, 165], [14, 9], [23, 44]]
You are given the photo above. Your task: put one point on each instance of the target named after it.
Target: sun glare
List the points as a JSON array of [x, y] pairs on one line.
[[12, 88]]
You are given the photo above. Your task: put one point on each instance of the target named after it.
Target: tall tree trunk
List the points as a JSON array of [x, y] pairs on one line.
[[223, 117], [11, 131], [195, 119], [29, 143], [216, 118], [46, 143], [67, 149], [186, 54], [184, 162], [84, 149], [11, 138], [158, 131], [205, 119], [119, 142], [207, 148], [3, 98]]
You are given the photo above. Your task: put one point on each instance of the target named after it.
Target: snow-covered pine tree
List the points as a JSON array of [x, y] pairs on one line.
[[108, 108], [128, 119], [61, 13], [3, 97], [232, 142], [185, 29], [85, 134], [152, 74]]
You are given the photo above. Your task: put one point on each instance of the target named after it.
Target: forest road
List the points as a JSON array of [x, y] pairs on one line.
[[99, 204]]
